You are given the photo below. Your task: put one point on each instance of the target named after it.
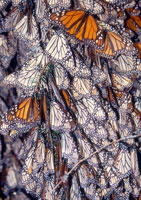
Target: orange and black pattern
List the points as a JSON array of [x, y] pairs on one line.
[[70, 114]]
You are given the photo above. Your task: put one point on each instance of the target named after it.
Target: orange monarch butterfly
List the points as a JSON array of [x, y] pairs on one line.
[[23, 116], [80, 24], [26, 110], [113, 45]]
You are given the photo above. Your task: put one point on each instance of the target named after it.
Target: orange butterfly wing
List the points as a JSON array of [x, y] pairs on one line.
[[36, 114], [113, 44], [70, 18], [27, 110], [78, 23], [24, 109], [137, 19], [134, 23]]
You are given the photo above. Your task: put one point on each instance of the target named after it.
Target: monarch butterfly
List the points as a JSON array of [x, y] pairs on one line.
[[35, 157], [58, 48], [98, 76], [56, 5], [59, 120], [123, 162], [18, 79], [101, 132], [68, 148], [81, 25], [28, 143], [71, 161], [112, 98], [91, 6], [68, 100], [12, 18], [82, 114], [114, 179], [48, 189], [32, 180], [21, 117], [113, 45], [32, 184], [84, 175], [102, 182], [40, 10], [67, 145], [136, 117], [121, 82], [26, 110], [125, 64], [135, 185], [86, 148], [27, 31], [94, 108], [49, 167], [57, 116], [61, 77], [77, 68], [56, 92], [4, 49], [90, 130], [27, 78], [81, 87], [7, 51], [75, 193]]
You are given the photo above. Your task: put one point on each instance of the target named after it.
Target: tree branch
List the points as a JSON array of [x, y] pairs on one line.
[[97, 151]]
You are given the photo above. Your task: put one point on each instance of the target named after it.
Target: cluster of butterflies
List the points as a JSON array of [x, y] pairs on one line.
[[75, 66]]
